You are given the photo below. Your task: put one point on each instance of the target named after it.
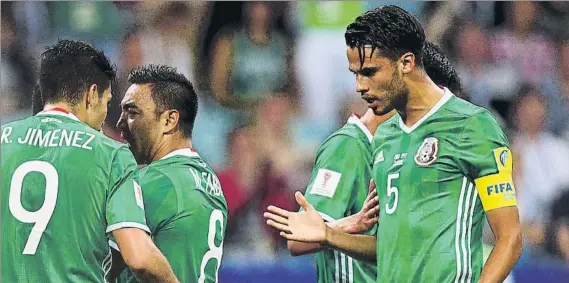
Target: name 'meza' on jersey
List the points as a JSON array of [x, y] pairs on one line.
[[65, 188], [435, 180]]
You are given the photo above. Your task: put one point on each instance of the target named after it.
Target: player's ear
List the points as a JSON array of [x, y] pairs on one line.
[[92, 95], [170, 119], [407, 62]]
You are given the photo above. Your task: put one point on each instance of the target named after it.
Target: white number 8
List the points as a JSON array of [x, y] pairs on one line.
[[214, 252], [41, 217]]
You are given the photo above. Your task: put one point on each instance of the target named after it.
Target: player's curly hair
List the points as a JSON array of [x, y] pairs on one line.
[[440, 69], [69, 68], [170, 90], [391, 30]]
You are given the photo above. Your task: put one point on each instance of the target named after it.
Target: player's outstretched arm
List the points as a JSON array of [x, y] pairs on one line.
[[143, 257], [360, 222], [505, 224], [309, 227]]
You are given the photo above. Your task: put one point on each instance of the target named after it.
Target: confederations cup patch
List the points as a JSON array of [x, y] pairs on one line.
[[427, 153]]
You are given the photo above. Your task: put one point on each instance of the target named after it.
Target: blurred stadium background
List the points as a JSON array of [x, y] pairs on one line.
[[273, 83]]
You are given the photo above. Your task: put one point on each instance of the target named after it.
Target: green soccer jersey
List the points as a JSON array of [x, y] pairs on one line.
[[65, 187], [434, 181], [187, 214], [338, 188]]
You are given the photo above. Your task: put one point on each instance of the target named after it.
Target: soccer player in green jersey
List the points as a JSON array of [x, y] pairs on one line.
[[66, 187], [185, 207], [339, 182], [441, 166]]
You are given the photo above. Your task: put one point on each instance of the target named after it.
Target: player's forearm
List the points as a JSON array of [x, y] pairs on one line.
[[299, 248], [504, 256], [361, 247], [155, 270], [347, 225]]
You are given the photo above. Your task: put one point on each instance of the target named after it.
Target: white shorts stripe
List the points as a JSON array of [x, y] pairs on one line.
[[457, 235]]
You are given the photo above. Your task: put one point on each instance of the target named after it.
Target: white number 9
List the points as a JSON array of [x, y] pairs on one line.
[[41, 217]]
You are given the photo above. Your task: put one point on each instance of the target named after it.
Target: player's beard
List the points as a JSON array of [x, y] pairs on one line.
[[397, 95]]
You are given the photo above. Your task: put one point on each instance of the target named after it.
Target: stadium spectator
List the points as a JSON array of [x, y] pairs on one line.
[[542, 161], [557, 90], [517, 44], [251, 60]]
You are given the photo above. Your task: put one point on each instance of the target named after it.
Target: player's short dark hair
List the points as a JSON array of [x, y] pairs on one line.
[[440, 69], [390, 29], [69, 68], [170, 90]]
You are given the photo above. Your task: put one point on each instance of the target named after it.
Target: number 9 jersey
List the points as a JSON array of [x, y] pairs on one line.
[[435, 180], [65, 188]]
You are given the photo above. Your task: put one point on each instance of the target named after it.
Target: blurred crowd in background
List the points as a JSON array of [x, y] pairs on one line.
[[273, 82]]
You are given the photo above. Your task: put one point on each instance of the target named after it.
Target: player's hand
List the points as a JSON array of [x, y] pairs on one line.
[[369, 214], [306, 226]]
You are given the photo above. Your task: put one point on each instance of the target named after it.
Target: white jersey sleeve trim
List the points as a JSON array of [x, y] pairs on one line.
[[114, 245], [127, 225]]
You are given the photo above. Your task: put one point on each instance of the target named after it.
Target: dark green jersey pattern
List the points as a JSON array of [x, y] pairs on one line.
[[187, 214], [431, 218], [65, 187], [338, 188]]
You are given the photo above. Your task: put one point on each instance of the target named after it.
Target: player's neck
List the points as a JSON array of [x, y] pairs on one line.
[[168, 145], [423, 96], [65, 107]]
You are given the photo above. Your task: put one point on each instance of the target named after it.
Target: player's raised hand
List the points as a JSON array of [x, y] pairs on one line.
[[306, 226], [371, 204], [368, 215]]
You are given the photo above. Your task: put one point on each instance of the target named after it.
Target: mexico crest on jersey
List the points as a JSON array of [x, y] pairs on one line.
[[427, 152]]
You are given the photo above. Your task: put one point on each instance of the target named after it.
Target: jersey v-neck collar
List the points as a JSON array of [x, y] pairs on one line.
[[57, 112], [442, 101], [181, 152], [356, 121]]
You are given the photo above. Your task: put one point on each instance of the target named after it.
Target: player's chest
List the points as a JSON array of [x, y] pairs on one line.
[[422, 162]]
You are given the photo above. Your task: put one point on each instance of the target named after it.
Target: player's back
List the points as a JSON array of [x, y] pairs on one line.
[[55, 175], [187, 214]]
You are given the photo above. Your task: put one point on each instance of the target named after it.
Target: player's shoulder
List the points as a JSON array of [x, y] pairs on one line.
[[346, 137], [466, 114], [154, 178], [19, 123]]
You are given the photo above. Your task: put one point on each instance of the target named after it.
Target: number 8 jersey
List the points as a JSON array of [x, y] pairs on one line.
[[435, 180], [187, 214], [65, 187]]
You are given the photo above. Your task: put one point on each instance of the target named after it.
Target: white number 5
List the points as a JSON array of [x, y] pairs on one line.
[[41, 217], [391, 190], [214, 252]]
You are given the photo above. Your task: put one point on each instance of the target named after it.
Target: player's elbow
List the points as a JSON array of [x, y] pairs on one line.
[[517, 243], [138, 262]]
